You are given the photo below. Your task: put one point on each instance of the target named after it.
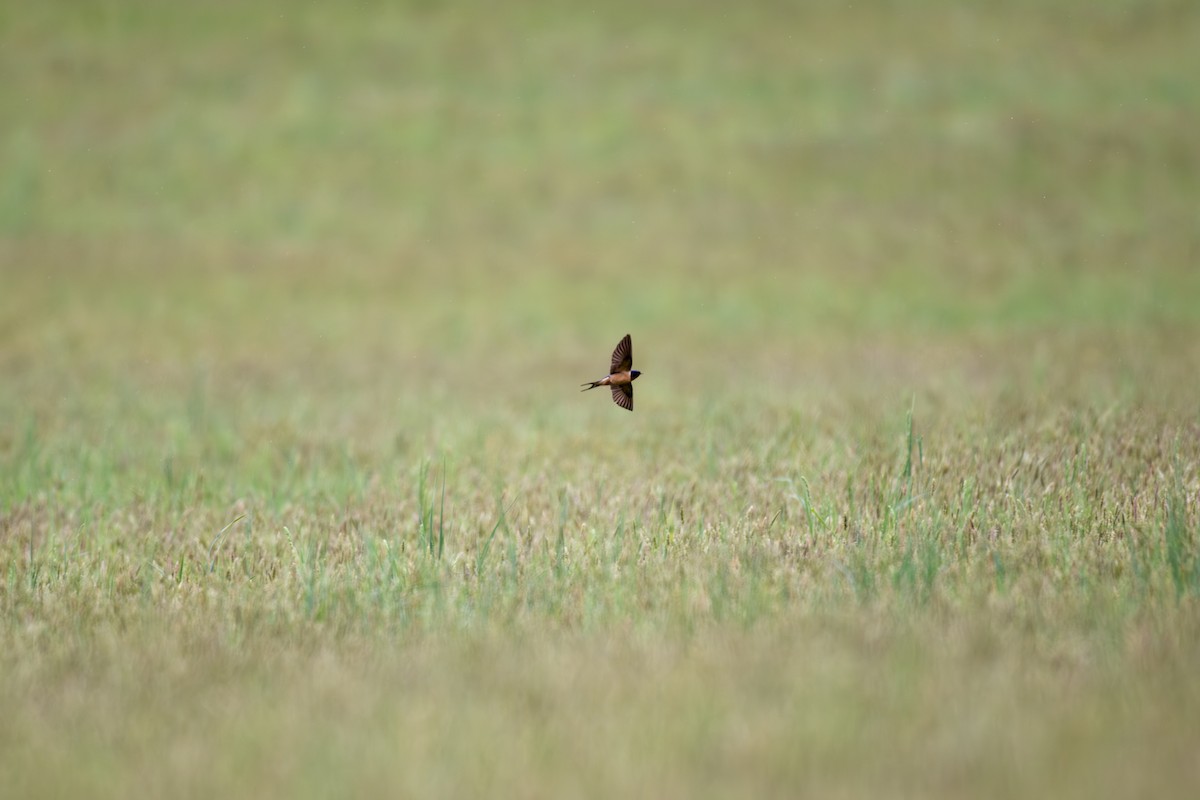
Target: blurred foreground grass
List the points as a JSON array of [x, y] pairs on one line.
[[297, 494]]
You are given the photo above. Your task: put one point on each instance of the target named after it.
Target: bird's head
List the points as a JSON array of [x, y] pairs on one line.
[[633, 376]]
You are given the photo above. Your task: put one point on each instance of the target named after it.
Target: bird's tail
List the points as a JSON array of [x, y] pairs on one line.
[[590, 385]]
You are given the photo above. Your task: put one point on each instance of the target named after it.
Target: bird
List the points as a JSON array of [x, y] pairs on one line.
[[621, 375]]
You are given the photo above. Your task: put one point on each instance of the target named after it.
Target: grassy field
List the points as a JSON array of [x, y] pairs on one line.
[[298, 496]]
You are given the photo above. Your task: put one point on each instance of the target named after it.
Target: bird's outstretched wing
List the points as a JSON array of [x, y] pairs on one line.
[[622, 360], [623, 395]]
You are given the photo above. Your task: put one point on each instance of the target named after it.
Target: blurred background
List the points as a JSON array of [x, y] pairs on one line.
[[397, 211], [297, 487]]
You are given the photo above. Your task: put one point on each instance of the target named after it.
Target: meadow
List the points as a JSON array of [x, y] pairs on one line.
[[299, 496]]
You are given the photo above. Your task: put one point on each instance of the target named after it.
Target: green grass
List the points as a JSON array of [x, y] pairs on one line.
[[298, 495]]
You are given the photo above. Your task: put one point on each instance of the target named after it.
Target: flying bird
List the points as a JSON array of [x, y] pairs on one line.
[[621, 375]]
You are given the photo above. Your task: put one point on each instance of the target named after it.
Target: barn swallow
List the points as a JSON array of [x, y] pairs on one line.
[[621, 375]]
